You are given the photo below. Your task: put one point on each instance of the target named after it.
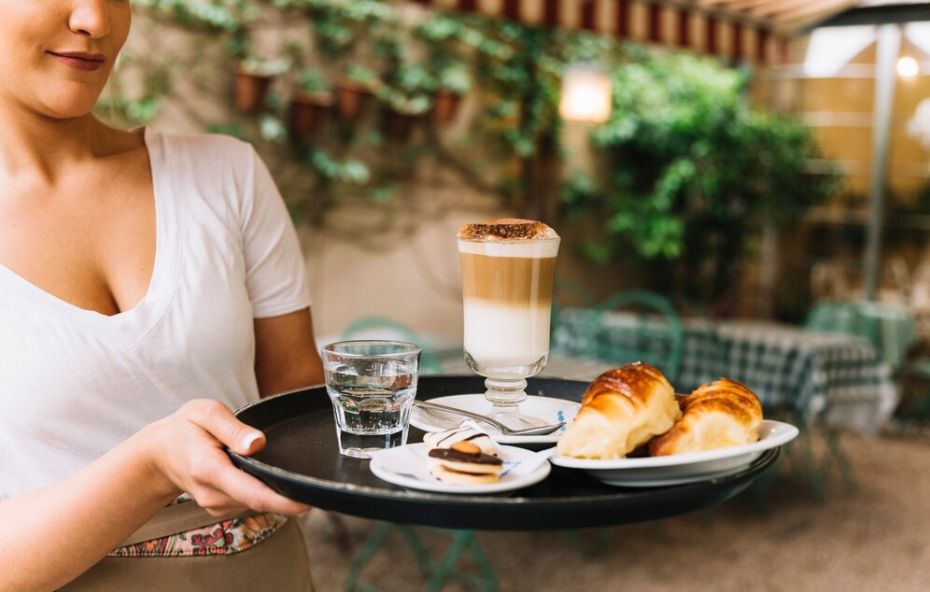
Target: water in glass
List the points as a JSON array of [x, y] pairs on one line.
[[372, 399]]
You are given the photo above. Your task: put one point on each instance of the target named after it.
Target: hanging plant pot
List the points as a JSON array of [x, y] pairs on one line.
[[352, 100], [250, 90], [445, 106], [398, 126], [308, 112]]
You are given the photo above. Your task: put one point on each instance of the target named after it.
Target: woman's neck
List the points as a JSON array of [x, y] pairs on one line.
[[42, 147]]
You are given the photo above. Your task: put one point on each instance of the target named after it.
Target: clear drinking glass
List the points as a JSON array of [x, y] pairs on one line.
[[507, 301], [372, 385]]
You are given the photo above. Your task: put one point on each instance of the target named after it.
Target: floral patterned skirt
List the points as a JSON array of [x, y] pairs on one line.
[[276, 562], [224, 538]]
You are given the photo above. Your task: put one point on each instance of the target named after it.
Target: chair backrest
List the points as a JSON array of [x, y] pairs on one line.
[[890, 329], [377, 327], [573, 291], [653, 334], [567, 286], [833, 317]]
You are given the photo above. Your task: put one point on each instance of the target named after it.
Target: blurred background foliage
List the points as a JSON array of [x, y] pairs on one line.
[[405, 59], [689, 173], [686, 171]]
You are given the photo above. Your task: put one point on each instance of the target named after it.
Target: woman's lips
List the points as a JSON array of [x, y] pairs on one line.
[[80, 61]]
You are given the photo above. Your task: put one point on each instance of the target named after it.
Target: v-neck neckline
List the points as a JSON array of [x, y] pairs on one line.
[[148, 306]]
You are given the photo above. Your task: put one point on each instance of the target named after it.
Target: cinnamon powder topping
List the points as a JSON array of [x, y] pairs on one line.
[[506, 229]]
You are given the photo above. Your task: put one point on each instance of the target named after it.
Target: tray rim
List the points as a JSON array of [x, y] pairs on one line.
[[764, 461]]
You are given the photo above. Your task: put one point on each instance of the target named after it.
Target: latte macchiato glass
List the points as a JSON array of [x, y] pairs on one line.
[[507, 274]]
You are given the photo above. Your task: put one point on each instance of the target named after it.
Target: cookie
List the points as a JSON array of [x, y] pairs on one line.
[[476, 464], [469, 431], [461, 478]]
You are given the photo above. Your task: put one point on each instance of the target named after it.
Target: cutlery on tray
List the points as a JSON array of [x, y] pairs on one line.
[[506, 430]]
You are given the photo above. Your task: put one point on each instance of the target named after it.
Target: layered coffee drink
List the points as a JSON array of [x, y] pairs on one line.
[[507, 275]]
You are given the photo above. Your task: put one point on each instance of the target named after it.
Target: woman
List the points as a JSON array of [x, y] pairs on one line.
[[148, 283]]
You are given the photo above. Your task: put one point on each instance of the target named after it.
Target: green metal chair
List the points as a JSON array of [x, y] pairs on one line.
[[890, 329], [914, 381], [385, 328], [463, 542], [568, 289], [656, 335]]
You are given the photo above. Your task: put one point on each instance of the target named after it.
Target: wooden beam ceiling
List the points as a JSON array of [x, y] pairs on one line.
[[783, 15]]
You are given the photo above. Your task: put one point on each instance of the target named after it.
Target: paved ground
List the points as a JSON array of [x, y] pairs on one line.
[[874, 538]]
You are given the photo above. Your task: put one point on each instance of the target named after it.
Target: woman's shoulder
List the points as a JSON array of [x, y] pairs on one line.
[[223, 173], [215, 166], [203, 147]]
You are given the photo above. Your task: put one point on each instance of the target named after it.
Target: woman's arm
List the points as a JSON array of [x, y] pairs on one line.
[[286, 356], [52, 535]]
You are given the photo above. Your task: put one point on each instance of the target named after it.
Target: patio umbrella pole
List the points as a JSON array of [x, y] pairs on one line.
[[889, 46]]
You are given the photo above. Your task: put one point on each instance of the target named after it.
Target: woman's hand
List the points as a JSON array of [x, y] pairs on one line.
[[95, 508], [187, 453]]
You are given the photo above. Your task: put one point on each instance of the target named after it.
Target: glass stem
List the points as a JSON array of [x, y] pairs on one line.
[[505, 394]]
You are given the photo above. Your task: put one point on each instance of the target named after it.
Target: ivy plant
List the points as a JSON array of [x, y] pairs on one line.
[[692, 172], [690, 169]]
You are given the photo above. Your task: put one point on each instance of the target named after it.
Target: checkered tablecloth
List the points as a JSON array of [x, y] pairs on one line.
[[835, 378]]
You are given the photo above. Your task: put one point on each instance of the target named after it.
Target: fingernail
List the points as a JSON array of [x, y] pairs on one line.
[[250, 439]]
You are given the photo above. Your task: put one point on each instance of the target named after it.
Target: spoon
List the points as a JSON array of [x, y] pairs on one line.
[[507, 431]]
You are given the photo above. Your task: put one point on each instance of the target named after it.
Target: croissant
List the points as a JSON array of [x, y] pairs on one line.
[[622, 409], [722, 413]]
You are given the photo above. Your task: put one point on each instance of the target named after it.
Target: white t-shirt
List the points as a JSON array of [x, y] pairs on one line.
[[74, 383]]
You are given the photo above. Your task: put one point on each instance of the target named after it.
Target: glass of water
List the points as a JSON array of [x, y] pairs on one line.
[[372, 385]]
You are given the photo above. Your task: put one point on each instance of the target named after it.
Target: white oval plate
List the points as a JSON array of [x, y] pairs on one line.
[[677, 469], [407, 466], [548, 409]]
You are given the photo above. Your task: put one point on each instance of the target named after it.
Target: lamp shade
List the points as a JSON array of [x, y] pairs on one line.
[[586, 94]]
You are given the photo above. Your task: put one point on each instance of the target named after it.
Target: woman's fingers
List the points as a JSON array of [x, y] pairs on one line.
[[248, 491], [219, 421], [193, 459]]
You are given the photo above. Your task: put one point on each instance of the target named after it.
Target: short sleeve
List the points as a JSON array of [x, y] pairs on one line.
[[274, 264]]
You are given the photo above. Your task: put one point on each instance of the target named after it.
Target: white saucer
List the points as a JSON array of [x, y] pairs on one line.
[[677, 469], [407, 466], [548, 409]]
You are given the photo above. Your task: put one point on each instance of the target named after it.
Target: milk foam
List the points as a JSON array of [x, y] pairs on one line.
[[499, 336], [539, 248]]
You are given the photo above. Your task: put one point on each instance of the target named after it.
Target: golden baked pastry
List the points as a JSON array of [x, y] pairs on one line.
[[716, 415], [622, 409]]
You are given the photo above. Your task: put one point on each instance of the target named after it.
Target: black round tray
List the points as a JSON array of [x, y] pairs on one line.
[[301, 460]]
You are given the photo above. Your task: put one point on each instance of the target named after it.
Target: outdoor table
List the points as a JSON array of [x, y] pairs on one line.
[[301, 460], [838, 378]]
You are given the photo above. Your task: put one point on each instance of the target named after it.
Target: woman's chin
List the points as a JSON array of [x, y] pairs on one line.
[[69, 109], [69, 101]]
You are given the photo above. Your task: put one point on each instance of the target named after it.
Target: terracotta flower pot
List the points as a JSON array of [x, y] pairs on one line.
[[352, 100], [446, 106], [250, 91], [399, 126], [307, 112]]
